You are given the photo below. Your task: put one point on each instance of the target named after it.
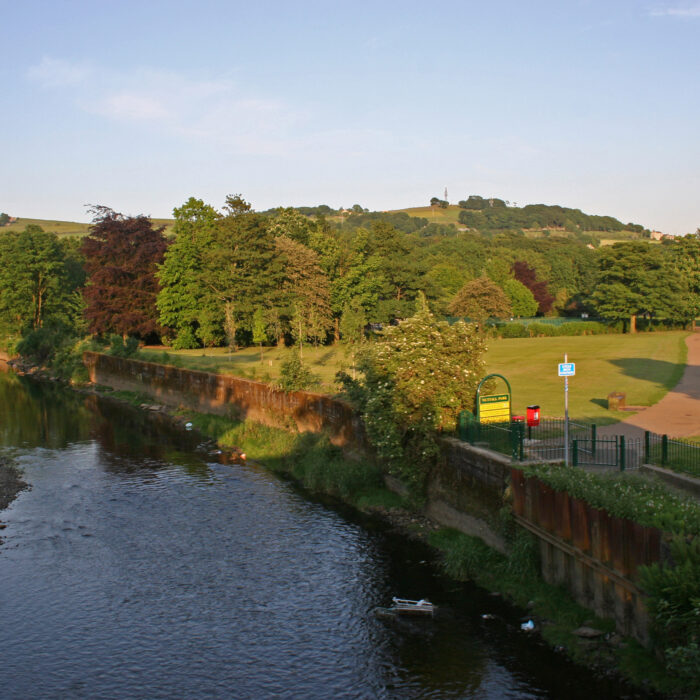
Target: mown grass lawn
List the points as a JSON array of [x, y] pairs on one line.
[[644, 366]]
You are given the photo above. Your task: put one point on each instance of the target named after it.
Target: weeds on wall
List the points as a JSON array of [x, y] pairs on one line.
[[630, 496]]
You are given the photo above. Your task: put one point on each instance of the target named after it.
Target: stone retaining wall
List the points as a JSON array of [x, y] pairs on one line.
[[227, 395]]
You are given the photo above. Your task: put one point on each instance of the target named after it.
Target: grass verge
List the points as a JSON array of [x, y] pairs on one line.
[[309, 458]]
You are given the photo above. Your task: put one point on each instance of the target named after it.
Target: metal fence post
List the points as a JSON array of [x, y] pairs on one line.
[[463, 426], [517, 435], [664, 450], [647, 447], [574, 453], [594, 435], [622, 453], [521, 442]]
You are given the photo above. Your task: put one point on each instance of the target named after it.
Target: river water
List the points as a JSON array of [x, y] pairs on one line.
[[138, 567]]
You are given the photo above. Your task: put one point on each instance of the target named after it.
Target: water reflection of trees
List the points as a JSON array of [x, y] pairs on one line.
[[41, 414], [131, 440]]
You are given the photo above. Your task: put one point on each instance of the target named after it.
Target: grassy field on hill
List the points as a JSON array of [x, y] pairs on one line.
[[644, 366], [70, 228], [435, 215], [62, 228], [450, 215]]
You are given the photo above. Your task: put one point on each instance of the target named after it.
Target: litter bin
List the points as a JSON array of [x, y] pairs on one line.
[[616, 401], [533, 415]]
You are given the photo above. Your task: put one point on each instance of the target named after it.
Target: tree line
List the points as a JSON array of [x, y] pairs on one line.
[[496, 214], [238, 277]]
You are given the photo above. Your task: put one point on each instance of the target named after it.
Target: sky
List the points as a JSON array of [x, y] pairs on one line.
[[139, 105]]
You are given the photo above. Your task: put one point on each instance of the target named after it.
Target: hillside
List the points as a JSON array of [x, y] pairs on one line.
[[534, 220], [68, 228], [487, 217]]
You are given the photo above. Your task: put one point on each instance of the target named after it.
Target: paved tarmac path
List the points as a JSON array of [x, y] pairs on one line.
[[678, 413]]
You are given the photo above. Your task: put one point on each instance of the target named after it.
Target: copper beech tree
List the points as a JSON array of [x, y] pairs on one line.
[[121, 255]]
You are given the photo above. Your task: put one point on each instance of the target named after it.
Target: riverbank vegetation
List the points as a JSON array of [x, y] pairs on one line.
[[672, 586]]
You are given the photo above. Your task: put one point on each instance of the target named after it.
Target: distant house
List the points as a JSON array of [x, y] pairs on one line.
[[658, 236]]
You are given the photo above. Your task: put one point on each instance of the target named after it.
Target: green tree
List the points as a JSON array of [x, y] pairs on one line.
[[352, 324], [306, 291], [39, 279], [638, 278], [401, 272], [684, 255], [289, 222], [481, 299], [241, 270], [259, 329], [359, 279], [182, 296], [522, 301]]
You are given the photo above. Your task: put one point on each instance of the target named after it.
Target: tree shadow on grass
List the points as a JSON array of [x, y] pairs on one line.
[[665, 374]]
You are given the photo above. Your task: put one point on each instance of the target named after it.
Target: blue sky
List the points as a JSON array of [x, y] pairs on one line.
[[140, 105]]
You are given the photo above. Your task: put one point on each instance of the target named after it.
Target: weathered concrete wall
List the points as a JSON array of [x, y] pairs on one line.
[[594, 554], [466, 490], [684, 482], [226, 395]]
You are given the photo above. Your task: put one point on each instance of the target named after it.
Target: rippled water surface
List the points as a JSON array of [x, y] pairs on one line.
[[136, 568]]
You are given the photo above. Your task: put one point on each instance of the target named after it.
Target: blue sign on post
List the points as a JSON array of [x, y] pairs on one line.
[[567, 369]]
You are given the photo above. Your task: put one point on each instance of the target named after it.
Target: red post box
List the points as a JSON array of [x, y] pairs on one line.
[[533, 415]]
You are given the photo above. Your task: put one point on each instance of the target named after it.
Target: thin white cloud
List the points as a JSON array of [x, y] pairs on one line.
[[55, 72], [132, 107], [213, 111], [216, 111], [682, 12]]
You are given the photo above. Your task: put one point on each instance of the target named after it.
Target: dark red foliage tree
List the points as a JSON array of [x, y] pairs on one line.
[[525, 274], [121, 255]]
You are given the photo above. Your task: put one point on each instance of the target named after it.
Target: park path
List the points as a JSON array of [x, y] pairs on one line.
[[678, 413]]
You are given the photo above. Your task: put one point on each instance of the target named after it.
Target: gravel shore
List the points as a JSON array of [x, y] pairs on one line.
[[10, 482]]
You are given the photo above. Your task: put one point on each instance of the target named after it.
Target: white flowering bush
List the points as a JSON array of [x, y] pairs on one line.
[[414, 382]]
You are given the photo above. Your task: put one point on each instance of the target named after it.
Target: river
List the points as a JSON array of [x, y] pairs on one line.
[[139, 567]]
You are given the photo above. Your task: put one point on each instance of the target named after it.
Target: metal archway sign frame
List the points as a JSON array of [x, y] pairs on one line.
[[498, 407]]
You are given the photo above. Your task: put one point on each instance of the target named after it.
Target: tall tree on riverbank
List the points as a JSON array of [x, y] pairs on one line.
[[182, 295], [121, 257], [306, 293], [241, 271], [39, 278]]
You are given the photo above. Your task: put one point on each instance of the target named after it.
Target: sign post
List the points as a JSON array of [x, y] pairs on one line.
[[566, 370]]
